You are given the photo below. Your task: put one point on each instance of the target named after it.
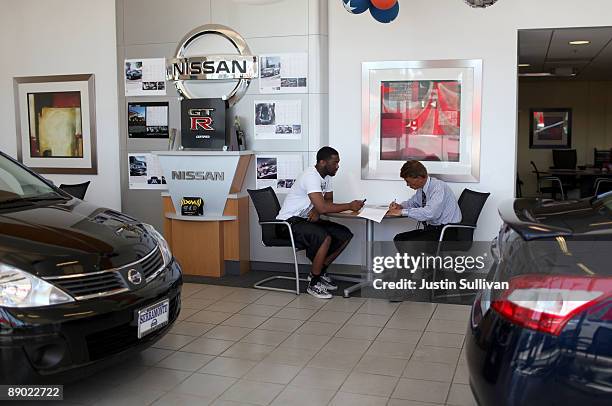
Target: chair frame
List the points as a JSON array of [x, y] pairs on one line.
[[552, 179], [598, 182], [297, 278]]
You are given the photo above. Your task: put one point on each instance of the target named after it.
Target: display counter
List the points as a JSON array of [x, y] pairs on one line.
[[217, 242]]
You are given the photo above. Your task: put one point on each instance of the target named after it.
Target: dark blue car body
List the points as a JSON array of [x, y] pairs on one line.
[[512, 365]]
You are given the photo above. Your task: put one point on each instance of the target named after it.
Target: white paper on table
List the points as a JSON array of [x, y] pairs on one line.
[[372, 213]]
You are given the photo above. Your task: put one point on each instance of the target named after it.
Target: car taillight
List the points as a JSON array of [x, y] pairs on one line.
[[547, 302]]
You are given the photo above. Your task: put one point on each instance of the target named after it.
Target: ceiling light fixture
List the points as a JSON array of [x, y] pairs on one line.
[[580, 42], [524, 65]]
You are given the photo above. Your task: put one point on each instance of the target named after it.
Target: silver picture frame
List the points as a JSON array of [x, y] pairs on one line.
[[466, 72], [80, 88]]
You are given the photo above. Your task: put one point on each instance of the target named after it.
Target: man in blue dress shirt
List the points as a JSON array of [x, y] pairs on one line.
[[433, 205]]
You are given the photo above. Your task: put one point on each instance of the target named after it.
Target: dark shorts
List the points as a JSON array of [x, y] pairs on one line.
[[310, 235]]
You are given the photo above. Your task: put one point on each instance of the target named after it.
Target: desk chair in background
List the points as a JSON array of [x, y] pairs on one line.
[[565, 158], [267, 207], [601, 157], [556, 186], [519, 186], [77, 190]]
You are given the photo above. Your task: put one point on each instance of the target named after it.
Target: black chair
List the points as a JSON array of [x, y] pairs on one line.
[[552, 189], [267, 207], [601, 157], [565, 158], [519, 186], [471, 204], [77, 190]]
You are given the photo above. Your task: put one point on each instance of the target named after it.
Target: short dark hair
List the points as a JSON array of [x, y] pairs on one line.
[[325, 154], [413, 169]]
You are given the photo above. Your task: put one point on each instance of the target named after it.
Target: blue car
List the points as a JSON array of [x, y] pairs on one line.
[[547, 338]]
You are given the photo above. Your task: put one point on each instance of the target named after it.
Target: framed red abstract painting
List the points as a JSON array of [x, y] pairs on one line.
[[422, 110]]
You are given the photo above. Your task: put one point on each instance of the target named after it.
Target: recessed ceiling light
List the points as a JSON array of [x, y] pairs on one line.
[[524, 65], [580, 42]]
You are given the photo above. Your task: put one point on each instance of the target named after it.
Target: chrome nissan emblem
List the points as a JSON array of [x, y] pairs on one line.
[[205, 65], [135, 277]]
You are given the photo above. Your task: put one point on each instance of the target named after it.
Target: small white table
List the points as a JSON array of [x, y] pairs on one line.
[[360, 282]]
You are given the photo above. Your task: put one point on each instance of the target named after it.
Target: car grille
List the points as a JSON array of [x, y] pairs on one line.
[[120, 338], [152, 264], [110, 281], [88, 286]]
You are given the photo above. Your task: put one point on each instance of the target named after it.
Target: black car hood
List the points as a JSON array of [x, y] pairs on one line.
[[535, 218], [70, 237]]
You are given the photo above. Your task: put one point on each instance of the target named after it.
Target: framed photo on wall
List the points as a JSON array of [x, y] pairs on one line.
[[148, 120], [421, 110], [56, 123], [550, 128]]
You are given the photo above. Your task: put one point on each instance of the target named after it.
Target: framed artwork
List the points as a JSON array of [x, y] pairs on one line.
[[550, 128], [56, 123], [421, 110]]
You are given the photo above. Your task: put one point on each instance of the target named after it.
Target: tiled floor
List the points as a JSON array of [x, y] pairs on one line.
[[235, 346]]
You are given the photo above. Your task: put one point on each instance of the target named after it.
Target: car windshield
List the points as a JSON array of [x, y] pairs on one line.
[[19, 185]]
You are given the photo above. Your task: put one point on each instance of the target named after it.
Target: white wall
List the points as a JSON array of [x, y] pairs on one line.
[[591, 104], [61, 37], [431, 30]]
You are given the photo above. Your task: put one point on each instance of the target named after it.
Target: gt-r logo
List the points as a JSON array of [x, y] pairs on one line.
[[201, 119], [201, 123]]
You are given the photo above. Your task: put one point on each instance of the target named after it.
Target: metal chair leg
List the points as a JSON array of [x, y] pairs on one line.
[[297, 279]]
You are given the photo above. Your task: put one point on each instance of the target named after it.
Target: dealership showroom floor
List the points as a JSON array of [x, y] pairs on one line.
[[236, 346]]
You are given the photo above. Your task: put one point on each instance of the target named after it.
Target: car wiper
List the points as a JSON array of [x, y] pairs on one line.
[[33, 199]]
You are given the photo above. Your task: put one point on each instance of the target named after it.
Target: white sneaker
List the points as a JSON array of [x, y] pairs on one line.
[[326, 281], [318, 290]]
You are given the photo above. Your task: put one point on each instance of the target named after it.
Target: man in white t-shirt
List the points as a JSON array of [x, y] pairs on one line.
[[310, 196]]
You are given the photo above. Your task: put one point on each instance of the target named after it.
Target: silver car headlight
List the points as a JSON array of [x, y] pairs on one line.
[[21, 289], [161, 241]]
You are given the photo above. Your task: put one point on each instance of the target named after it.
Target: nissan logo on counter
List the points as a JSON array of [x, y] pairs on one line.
[[198, 175], [241, 67]]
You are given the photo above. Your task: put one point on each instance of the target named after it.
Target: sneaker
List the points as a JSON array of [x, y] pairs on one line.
[[318, 290], [326, 280]]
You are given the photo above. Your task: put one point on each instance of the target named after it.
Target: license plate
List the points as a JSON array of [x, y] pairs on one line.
[[153, 317]]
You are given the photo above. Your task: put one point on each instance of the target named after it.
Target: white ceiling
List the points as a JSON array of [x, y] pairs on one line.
[[548, 50]]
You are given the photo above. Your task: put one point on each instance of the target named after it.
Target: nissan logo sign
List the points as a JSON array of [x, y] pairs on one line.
[[134, 276], [241, 67], [197, 175]]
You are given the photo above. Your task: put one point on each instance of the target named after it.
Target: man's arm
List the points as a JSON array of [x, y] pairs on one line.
[[432, 210], [412, 202], [323, 206], [329, 196]]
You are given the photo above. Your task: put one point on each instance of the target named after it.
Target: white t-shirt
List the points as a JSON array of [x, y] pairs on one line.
[[297, 202]]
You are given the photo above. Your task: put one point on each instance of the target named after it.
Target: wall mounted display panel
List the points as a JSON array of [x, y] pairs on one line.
[[245, 110], [279, 45], [147, 119]]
